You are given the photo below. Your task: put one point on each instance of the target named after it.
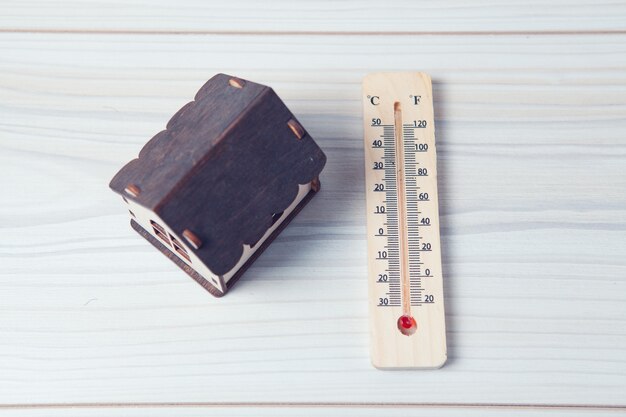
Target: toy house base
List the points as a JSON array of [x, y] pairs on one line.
[[199, 278]]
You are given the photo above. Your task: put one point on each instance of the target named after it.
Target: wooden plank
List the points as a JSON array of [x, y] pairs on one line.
[[532, 172], [312, 410], [284, 16]]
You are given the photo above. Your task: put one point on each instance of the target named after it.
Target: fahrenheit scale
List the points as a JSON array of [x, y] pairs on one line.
[[404, 256]]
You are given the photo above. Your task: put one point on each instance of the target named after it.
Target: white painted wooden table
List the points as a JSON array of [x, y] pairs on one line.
[[531, 129]]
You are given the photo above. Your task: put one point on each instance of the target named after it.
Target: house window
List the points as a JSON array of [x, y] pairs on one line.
[[180, 249], [160, 232]]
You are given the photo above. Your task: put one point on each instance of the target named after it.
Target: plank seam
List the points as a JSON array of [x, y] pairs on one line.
[[501, 406], [310, 33]]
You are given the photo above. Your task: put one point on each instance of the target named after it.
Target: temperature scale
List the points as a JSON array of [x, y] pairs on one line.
[[404, 256]]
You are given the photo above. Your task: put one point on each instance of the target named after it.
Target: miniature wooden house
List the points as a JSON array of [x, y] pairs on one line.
[[232, 168]]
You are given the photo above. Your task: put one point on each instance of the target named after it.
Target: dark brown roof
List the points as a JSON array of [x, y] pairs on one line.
[[225, 191]]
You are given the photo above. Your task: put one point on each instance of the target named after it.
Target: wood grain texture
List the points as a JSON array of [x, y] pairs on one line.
[[532, 169], [324, 16], [311, 410]]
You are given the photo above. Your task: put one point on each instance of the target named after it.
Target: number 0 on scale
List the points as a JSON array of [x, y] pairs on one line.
[[407, 319]]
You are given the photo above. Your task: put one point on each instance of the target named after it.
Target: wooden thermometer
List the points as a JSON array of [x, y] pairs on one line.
[[404, 256]]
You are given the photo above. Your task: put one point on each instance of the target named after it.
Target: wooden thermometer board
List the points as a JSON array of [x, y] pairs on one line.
[[407, 319]]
